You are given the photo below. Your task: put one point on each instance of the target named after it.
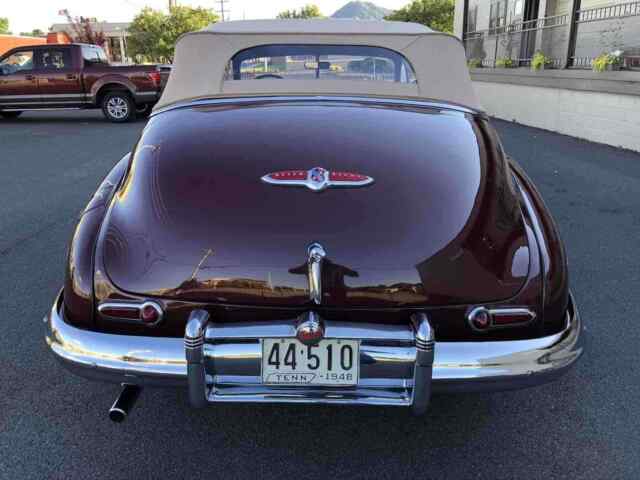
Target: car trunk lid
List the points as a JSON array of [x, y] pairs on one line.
[[193, 221]]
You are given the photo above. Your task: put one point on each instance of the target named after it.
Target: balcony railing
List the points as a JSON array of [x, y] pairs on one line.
[[518, 41], [620, 10], [594, 32]]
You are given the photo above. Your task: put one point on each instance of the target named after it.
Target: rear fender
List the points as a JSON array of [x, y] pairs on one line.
[[552, 252], [78, 283]]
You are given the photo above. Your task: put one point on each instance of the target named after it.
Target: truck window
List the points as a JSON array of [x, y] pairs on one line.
[[93, 55], [55, 58], [17, 62]]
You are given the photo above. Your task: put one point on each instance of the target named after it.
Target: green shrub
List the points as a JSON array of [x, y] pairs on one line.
[[505, 62], [601, 62], [474, 63], [540, 61]]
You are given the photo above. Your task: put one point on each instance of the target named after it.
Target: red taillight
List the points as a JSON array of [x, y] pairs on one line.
[[482, 319], [511, 316], [119, 311], [154, 77], [148, 312]]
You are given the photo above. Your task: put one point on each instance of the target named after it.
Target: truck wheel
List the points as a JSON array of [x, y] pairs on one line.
[[143, 111], [118, 107], [10, 114]]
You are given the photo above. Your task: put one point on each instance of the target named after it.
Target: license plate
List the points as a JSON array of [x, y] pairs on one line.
[[287, 361]]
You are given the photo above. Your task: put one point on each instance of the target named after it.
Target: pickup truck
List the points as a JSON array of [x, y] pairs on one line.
[[75, 76]]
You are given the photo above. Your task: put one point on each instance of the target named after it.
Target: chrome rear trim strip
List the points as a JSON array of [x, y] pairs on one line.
[[264, 98], [362, 396]]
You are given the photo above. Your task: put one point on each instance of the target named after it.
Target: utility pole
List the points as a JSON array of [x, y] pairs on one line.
[[172, 4], [223, 10]]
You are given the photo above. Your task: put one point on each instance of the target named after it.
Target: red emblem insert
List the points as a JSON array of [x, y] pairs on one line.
[[317, 179], [289, 175], [346, 177]]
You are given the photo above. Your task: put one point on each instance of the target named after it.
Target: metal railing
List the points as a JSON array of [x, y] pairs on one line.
[[568, 44], [620, 10], [517, 41]]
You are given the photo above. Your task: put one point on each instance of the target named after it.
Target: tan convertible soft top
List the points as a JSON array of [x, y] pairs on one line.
[[201, 57]]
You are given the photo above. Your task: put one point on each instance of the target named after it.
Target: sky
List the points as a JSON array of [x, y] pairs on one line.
[[26, 15]]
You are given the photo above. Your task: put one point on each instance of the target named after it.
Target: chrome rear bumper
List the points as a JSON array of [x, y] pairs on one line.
[[221, 362]]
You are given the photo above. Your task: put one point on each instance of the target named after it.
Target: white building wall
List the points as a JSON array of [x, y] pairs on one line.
[[608, 118], [458, 15]]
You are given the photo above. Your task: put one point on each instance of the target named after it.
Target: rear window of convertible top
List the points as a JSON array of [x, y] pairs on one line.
[[325, 62]]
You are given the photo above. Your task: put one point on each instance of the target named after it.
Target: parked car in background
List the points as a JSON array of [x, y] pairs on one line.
[[75, 76], [286, 231], [165, 72]]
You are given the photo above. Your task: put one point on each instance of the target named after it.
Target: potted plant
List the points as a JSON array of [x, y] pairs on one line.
[[474, 63], [608, 61], [505, 62], [540, 61]]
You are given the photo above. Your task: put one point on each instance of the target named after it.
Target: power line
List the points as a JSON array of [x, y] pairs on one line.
[[222, 10]]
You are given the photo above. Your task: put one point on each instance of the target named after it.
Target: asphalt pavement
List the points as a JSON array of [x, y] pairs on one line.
[[54, 425]]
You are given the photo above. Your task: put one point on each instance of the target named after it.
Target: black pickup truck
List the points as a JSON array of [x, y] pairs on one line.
[[75, 76]]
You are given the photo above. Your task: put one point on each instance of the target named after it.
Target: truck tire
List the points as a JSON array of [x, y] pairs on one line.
[[10, 114], [118, 107], [143, 110]]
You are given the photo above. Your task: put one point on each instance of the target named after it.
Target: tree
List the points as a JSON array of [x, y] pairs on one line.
[[84, 32], [435, 14], [308, 11], [153, 34], [36, 32], [4, 25]]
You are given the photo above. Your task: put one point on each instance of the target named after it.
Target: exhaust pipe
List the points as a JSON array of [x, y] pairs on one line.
[[124, 403]]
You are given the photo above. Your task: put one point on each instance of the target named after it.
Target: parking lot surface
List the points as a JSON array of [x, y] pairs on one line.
[[54, 425]]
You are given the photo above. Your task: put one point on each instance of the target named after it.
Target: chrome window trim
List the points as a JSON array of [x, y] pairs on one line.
[[261, 99]]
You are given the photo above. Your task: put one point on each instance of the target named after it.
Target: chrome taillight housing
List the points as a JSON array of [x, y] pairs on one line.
[[482, 319], [147, 313]]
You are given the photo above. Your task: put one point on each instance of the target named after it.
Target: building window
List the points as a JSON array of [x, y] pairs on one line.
[[497, 15], [572, 33], [472, 18]]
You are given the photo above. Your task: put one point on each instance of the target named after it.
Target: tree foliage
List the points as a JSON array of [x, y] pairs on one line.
[[4, 25], [435, 14], [36, 32], [83, 30], [153, 33], [308, 11]]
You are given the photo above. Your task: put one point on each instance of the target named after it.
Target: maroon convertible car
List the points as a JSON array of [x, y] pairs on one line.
[[316, 212]]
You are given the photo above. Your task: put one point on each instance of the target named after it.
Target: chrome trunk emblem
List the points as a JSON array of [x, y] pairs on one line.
[[317, 179]]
